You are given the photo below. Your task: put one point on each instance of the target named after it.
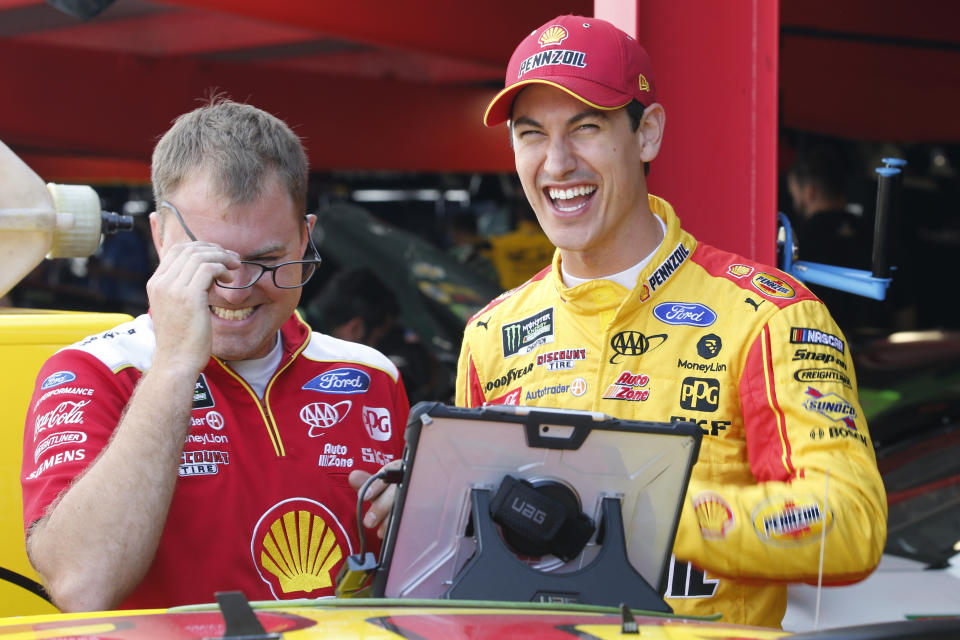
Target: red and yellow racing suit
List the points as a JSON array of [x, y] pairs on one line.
[[745, 352]]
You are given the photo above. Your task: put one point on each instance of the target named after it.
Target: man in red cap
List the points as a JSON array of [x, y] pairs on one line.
[[636, 319]]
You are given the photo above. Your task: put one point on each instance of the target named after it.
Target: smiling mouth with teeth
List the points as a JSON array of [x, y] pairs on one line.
[[232, 314], [566, 200]]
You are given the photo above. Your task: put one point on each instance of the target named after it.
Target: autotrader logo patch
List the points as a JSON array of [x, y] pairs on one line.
[[526, 335]]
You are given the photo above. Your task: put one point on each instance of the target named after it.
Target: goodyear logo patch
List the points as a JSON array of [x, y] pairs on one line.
[[803, 335], [297, 547], [790, 520], [772, 286], [526, 335]]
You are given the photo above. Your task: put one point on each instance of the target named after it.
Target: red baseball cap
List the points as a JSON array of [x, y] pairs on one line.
[[589, 58]]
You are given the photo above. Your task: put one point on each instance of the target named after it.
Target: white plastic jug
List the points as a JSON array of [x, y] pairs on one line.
[[71, 230]]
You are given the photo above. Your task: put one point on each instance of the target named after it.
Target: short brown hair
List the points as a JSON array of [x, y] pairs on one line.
[[239, 144]]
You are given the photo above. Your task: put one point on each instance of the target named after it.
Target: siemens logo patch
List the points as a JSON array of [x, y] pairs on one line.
[[801, 335], [342, 380], [668, 266], [526, 335], [565, 57], [689, 313]]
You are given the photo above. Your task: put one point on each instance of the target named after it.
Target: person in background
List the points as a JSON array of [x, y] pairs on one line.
[[355, 305], [207, 445], [637, 319]]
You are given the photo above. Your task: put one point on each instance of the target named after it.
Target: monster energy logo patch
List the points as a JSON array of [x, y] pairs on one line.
[[526, 335]]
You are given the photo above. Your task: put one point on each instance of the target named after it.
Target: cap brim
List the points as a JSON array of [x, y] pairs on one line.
[[586, 91]]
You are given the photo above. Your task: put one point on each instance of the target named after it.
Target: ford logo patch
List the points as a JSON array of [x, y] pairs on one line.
[[58, 378], [342, 380], [691, 313]]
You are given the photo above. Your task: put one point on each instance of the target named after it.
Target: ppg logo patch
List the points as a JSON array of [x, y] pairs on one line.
[[526, 335], [342, 380], [700, 394]]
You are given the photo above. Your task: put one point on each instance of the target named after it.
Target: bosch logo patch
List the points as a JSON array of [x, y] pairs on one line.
[[342, 380]]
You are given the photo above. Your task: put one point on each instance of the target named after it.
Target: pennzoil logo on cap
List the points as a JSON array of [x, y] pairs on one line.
[[553, 35]]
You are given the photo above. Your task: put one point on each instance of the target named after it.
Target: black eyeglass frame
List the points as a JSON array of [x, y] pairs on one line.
[[315, 262]]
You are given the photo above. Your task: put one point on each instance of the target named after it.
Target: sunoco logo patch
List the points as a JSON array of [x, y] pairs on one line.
[[526, 335]]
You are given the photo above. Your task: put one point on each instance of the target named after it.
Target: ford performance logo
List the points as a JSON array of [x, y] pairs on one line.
[[58, 378], [343, 380], [691, 313]]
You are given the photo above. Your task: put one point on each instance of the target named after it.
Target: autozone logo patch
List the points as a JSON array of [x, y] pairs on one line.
[[700, 394], [802, 335], [634, 343], [321, 415], [526, 335], [628, 386], [668, 266], [342, 380]]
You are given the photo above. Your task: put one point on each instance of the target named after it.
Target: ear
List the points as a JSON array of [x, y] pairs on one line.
[[353, 329], [156, 232], [650, 131]]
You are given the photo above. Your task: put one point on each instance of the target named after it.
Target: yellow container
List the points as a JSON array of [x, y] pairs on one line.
[[27, 338]]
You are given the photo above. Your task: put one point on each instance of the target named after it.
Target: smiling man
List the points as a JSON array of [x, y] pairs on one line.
[[636, 319], [207, 445]]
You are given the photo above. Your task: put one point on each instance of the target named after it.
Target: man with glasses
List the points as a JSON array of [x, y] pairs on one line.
[[206, 446]]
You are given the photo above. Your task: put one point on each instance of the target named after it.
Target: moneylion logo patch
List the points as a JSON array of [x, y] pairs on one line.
[[634, 343], [297, 548], [526, 335]]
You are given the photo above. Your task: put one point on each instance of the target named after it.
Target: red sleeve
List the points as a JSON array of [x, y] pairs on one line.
[[76, 405]]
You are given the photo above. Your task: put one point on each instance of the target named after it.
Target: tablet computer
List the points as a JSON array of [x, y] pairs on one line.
[[452, 454]]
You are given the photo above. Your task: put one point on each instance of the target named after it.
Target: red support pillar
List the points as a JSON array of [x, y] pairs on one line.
[[716, 72]]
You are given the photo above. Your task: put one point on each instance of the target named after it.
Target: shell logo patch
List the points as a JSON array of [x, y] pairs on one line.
[[553, 35], [713, 514], [772, 286], [297, 548], [739, 270], [790, 520]]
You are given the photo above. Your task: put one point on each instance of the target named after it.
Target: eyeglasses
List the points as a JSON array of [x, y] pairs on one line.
[[286, 275]]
